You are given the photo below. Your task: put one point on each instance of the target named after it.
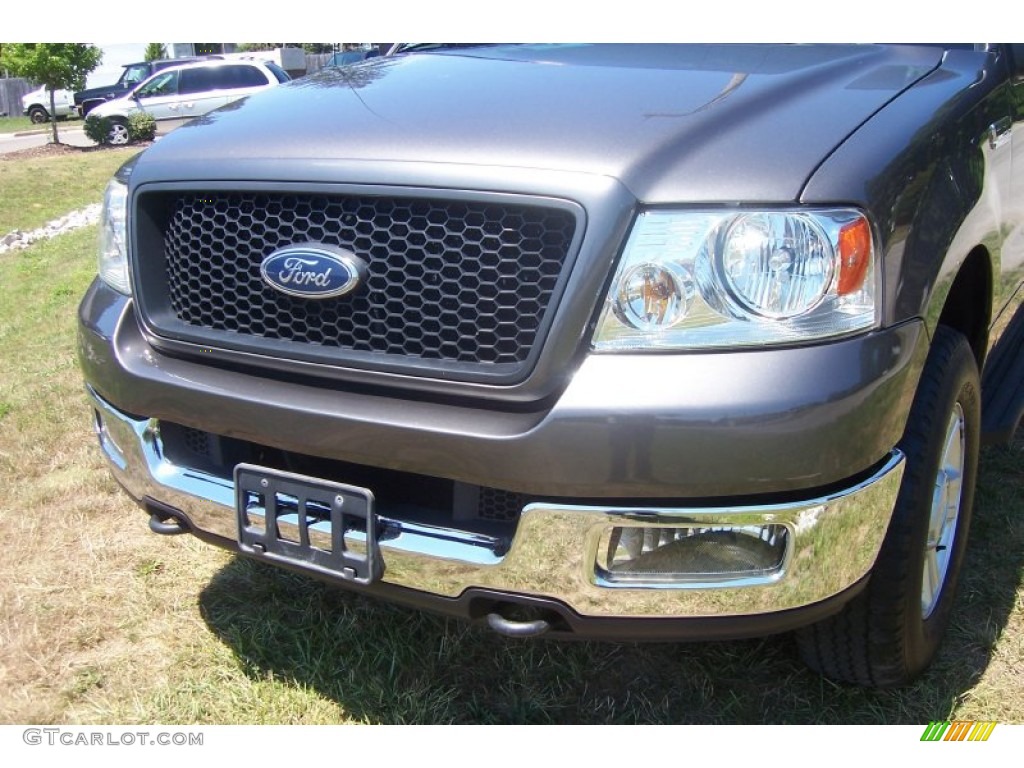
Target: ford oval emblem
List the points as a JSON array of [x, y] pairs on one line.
[[313, 271]]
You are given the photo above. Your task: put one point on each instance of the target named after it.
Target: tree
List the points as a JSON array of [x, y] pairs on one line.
[[52, 65], [155, 51]]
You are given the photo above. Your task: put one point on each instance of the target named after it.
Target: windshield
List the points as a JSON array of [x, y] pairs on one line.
[[134, 73], [280, 74], [162, 84]]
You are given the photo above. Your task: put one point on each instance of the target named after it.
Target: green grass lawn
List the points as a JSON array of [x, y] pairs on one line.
[[35, 190], [17, 124], [106, 623]]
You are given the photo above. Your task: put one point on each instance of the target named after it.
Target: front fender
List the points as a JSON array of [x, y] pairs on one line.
[[924, 168]]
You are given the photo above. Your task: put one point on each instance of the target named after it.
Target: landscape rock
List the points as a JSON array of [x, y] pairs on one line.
[[18, 239]]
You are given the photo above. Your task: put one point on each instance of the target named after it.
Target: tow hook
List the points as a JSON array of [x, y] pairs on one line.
[[517, 628], [165, 520]]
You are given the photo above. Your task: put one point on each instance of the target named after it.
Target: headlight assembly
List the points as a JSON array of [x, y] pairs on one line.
[[724, 279], [113, 267]]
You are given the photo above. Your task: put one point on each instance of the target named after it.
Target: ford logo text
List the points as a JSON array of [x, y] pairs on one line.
[[313, 271]]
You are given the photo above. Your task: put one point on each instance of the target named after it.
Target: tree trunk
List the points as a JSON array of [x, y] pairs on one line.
[[53, 116]]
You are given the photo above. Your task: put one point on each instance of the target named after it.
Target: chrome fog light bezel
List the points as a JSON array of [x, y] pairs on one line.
[[698, 532]]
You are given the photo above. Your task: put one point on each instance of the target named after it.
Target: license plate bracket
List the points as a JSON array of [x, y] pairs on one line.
[[315, 525]]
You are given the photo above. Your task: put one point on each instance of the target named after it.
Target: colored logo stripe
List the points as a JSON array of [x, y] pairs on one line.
[[981, 731], [958, 730]]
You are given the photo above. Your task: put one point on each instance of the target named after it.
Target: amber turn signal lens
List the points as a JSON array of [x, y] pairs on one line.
[[854, 256]]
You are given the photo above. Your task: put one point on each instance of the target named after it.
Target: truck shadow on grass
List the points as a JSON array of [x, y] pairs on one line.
[[380, 663]]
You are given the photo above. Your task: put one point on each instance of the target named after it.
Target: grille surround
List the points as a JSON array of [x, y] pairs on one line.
[[475, 316]]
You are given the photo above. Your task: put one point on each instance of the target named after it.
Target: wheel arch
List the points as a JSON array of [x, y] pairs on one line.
[[966, 306]]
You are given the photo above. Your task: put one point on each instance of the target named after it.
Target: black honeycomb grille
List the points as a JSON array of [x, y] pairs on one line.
[[468, 282], [496, 504], [197, 441]]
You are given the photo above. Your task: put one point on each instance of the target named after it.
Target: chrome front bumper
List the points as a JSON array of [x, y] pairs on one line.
[[833, 539]]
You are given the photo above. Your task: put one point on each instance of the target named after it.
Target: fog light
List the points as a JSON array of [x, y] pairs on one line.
[[691, 554]]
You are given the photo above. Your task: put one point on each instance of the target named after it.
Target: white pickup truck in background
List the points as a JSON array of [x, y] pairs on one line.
[[37, 105]]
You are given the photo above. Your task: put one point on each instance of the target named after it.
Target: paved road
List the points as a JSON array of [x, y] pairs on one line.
[[10, 142], [69, 133]]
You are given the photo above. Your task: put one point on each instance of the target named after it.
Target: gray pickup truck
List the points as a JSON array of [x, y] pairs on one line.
[[616, 342]]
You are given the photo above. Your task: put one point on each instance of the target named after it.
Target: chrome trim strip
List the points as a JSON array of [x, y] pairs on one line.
[[835, 538]]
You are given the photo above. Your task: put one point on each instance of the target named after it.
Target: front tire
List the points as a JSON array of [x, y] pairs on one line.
[[888, 634], [38, 115], [118, 134]]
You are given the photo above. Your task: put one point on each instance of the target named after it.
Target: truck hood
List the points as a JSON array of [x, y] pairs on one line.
[[672, 123], [100, 92]]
